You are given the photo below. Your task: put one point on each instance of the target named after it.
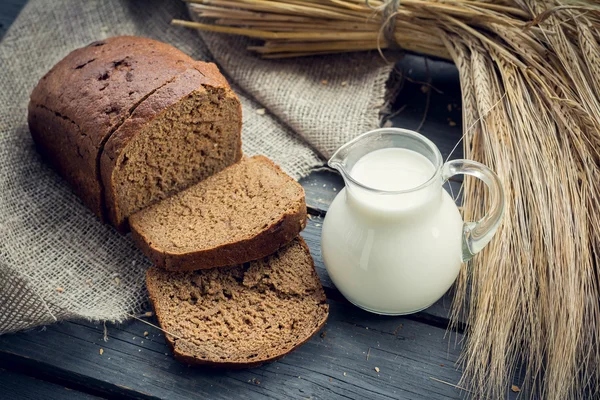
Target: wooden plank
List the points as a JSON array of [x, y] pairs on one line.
[[338, 363], [9, 9], [18, 386], [321, 187]]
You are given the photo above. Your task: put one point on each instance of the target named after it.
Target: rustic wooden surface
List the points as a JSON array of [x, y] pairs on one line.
[[357, 355], [9, 9], [18, 386]]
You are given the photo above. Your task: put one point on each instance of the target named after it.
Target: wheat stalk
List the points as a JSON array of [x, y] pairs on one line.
[[530, 82]]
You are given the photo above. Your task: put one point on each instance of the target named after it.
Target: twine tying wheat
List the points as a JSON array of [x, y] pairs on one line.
[[388, 25], [530, 83]]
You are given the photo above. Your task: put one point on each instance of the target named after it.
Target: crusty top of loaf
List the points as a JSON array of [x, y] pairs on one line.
[[99, 85]]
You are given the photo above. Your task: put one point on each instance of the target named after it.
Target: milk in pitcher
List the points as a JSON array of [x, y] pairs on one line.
[[393, 240]]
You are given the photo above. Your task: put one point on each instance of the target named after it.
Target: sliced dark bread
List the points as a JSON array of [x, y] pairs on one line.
[[240, 316], [128, 121], [243, 213]]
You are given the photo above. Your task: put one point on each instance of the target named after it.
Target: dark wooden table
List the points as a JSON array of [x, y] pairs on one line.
[[357, 355]]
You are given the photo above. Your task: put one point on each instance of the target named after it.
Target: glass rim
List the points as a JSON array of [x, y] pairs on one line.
[[395, 132]]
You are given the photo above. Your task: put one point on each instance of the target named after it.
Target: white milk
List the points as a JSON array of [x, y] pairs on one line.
[[393, 253], [393, 169]]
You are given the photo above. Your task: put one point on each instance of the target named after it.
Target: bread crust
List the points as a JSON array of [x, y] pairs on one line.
[[96, 92], [268, 241], [191, 360], [194, 361], [65, 151], [265, 243]]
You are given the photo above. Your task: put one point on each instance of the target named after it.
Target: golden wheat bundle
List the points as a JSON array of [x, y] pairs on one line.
[[530, 79]]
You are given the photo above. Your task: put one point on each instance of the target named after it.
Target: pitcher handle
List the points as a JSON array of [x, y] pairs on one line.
[[476, 235]]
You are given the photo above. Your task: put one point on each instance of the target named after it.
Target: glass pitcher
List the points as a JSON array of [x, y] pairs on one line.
[[397, 252]]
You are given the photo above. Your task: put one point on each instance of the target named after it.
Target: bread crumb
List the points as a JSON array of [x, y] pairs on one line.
[[515, 388], [344, 374], [452, 123], [101, 351], [334, 189], [324, 82], [145, 333], [88, 282], [345, 83], [148, 314], [388, 124], [323, 334], [449, 107], [441, 365], [398, 328], [317, 225], [256, 381], [60, 290], [377, 369], [261, 111], [117, 280], [324, 185], [424, 89], [330, 380]]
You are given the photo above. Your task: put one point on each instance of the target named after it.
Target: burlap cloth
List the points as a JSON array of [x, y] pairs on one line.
[[56, 260]]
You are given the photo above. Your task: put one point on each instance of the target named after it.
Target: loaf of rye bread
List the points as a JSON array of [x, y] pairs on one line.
[[243, 213], [240, 316], [128, 121]]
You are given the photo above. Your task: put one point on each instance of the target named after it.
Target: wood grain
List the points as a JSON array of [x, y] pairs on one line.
[[9, 9], [14, 385], [332, 364]]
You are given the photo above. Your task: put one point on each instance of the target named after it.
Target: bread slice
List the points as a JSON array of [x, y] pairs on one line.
[[243, 213], [240, 316]]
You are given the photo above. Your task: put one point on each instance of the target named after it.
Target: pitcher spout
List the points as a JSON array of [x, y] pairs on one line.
[[347, 155], [338, 162]]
